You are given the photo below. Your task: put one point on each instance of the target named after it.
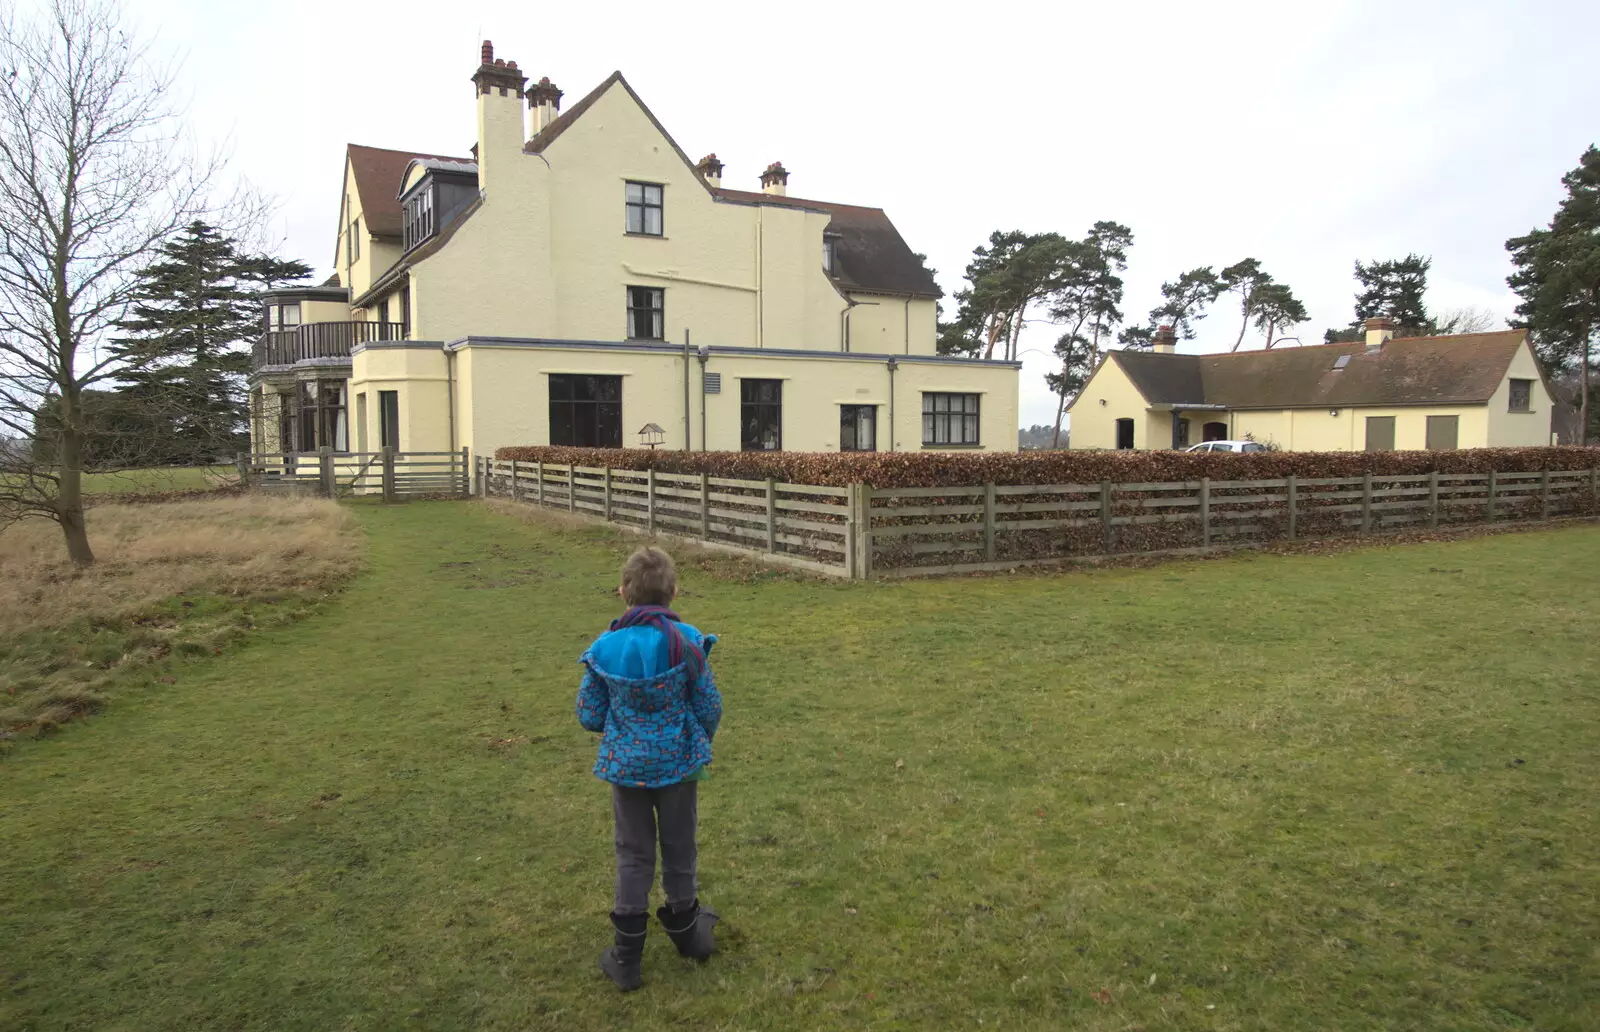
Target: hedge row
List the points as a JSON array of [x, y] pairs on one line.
[[949, 469]]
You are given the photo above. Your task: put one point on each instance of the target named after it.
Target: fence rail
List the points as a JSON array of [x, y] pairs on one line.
[[861, 532], [394, 475]]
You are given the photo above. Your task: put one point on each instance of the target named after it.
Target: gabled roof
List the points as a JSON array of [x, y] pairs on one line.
[[870, 257], [379, 174], [1460, 369]]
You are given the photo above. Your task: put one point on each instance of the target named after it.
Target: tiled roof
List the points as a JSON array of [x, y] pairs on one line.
[[378, 174], [1464, 368], [870, 256]]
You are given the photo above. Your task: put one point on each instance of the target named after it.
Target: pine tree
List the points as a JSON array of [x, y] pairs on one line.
[[193, 308], [1393, 289], [1558, 279]]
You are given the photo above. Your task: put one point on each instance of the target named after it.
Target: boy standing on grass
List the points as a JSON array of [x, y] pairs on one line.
[[648, 688]]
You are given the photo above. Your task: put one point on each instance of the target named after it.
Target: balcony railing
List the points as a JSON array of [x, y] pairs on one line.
[[319, 340]]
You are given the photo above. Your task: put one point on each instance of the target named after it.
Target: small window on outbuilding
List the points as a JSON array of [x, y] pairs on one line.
[[1340, 362], [1521, 396]]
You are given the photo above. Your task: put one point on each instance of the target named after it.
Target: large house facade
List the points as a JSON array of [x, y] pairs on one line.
[[577, 278], [1470, 390]]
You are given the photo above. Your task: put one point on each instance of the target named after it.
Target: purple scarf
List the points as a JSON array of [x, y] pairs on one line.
[[679, 647]]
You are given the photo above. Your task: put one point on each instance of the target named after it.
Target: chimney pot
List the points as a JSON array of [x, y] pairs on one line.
[[488, 52], [544, 100], [775, 180], [1165, 341], [710, 167]]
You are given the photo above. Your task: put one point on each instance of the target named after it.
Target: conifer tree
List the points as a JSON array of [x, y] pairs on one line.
[[193, 308]]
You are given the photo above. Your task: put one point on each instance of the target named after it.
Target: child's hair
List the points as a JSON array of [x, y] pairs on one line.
[[649, 578]]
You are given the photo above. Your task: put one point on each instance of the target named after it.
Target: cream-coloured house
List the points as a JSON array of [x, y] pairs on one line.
[[577, 277], [1471, 390]]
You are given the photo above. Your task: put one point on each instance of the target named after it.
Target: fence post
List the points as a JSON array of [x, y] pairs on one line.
[[468, 488], [242, 460], [538, 473], [1433, 499], [650, 500], [516, 488], [1105, 515], [1294, 502], [851, 520], [1366, 502], [572, 487], [1544, 494], [772, 516], [1205, 512], [389, 474], [1488, 508], [705, 506], [864, 564], [608, 493], [988, 521], [325, 472]]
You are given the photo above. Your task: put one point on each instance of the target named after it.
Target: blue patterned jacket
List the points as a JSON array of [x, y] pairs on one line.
[[657, 726]]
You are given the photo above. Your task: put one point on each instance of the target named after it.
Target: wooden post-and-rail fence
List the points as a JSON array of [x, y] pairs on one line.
[[388, 473], [858, 531]]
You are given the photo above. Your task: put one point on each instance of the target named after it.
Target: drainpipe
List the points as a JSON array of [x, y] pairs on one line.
[[893, 365], [908, 326], [688, 435], [705, 353], [450, 392]]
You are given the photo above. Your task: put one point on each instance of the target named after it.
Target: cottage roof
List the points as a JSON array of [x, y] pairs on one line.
[[1464, 368], [379, 174]]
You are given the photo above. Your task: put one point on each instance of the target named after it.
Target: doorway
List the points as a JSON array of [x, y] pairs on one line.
[[1124, 435], [1214, 432]]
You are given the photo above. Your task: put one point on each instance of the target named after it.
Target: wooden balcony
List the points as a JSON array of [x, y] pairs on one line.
[[318, 340]]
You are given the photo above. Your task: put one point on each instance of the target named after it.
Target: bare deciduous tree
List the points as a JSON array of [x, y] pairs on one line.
[[94, 174]]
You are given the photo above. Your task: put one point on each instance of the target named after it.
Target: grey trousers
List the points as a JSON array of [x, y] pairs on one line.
[[644, 815]]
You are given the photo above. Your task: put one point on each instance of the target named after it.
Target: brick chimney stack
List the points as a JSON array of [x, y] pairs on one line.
[[544, 105], [1379, 331], [711, 168], [1165, 341], [775, 180]]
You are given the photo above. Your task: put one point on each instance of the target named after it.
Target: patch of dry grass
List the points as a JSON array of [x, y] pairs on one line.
[[181, 577]]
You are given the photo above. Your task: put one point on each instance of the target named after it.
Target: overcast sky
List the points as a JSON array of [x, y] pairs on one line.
[[1304, 135]]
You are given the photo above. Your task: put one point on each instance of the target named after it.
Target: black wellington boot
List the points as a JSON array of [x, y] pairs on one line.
[[690, 930], [621, 961]]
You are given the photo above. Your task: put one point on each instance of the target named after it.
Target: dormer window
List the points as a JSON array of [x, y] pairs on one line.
[[828, 248], [418, 217]]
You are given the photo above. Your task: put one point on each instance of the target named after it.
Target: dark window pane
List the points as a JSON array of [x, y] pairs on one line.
[[585, 411]]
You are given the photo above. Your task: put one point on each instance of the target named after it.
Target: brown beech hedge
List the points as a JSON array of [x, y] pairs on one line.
[[952, 469]]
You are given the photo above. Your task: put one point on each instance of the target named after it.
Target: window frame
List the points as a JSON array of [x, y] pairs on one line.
[[318, 418], [418, 220], [598, 410], [389, 420], [657, 312], [1527, 395], [854, 412], [760, 417], [830, 254], [933, 418], [644, 207], [352, 242]]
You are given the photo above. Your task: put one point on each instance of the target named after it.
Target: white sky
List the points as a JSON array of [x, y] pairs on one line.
[[1305, 135]]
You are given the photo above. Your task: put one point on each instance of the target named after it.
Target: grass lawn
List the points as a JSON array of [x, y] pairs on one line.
[[151, 481], [1350, 791]]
